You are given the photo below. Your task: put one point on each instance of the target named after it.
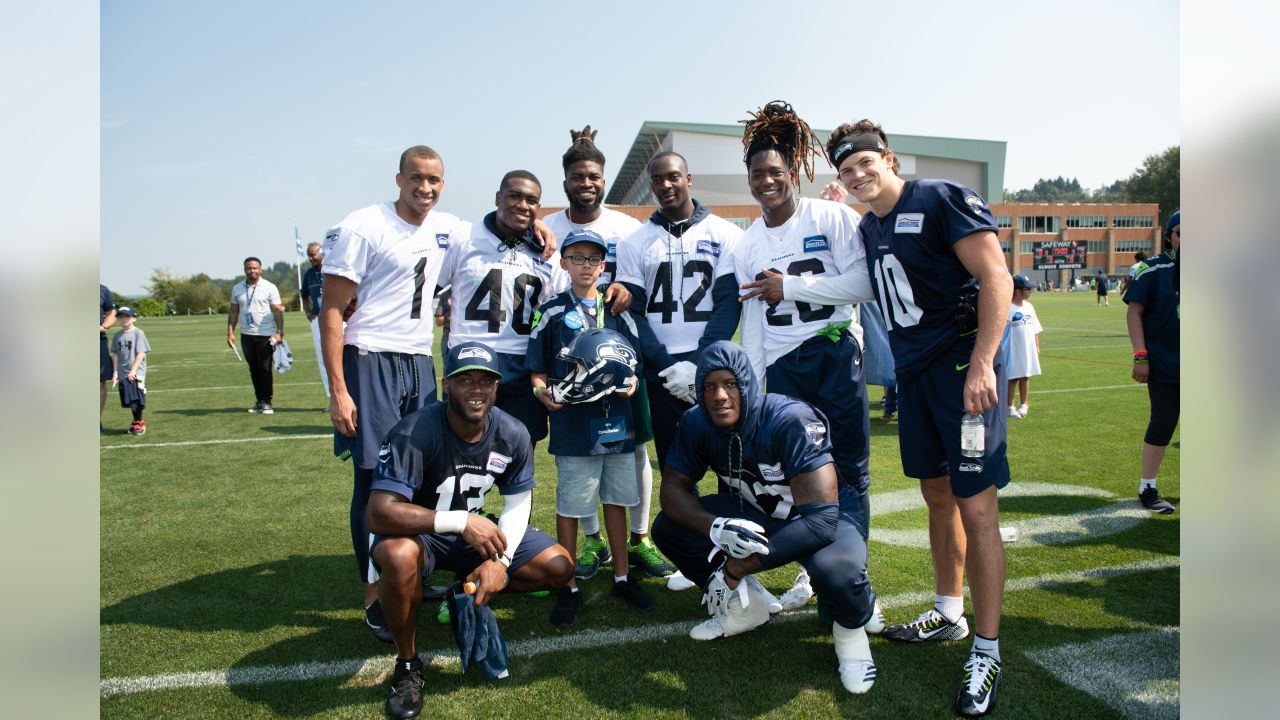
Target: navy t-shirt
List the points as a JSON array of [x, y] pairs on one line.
[[574, 427], [917, 277], [1154, 288], [105, 303], [791, 438], [313, 286], [425, 462]]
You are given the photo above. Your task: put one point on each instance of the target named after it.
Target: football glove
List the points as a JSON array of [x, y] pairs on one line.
[[739, 538], [716, 596], [679, 380]]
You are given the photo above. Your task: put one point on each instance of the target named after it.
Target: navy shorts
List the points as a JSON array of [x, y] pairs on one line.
[[516, 398], [132, 394], [105, 370], [930, 407], [448, 551], [829, 376], [385, 386]]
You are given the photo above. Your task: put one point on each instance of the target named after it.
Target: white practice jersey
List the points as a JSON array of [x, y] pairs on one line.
[[395, 266], [677, 275], [612, 225], [497, 290], [821, 238]]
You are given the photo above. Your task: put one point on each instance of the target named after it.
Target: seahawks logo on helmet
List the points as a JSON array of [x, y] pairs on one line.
[[600, 361]]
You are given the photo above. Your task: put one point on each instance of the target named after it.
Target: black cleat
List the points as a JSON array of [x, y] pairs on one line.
[[931, 625], [977, 695], [377, 622], [405, 700], [632, 594], [565, 612], [1153, 501]]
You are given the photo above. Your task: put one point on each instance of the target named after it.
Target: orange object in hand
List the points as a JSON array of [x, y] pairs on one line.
[[469, 588]]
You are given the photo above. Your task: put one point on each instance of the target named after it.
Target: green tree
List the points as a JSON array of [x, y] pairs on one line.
[[1159, 180], [163, 285]]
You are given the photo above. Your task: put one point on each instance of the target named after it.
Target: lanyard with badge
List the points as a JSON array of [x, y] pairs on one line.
[[250, 291], [603, 429]]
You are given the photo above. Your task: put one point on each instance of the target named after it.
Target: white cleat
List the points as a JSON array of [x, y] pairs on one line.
[[853, 651], [876, 624], [735, 620], [762, 594], [678, 582], [799, 594]]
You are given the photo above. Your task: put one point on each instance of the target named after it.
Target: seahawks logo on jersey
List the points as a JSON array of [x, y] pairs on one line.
[[815, 431]]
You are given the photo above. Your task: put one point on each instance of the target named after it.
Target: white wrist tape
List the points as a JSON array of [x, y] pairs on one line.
[[451, 521]]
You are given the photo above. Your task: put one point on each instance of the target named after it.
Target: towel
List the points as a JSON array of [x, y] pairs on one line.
[[476, 630]]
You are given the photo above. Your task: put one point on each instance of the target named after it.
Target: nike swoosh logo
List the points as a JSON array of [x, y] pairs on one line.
[[982, 706], [961, 368]]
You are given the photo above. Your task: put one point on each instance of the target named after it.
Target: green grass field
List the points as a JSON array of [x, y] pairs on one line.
[[228, 588]]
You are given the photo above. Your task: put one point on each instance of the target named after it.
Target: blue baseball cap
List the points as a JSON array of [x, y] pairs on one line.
[[127, 311], [1174, 220], [584, 235], [469, 356], [1022, 282]]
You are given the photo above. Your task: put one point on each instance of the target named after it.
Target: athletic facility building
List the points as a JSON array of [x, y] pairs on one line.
[[1112, 233]]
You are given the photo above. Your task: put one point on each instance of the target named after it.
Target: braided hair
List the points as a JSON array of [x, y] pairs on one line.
[[583, 148], [776, 126]]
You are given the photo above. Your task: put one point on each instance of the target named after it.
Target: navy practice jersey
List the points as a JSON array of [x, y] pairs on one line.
[[918, 280], [559, 321], [425, 462], [1155, 288], [781, 437]]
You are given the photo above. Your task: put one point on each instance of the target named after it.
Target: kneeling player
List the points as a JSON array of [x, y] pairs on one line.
[[425, 511], [779, 501]]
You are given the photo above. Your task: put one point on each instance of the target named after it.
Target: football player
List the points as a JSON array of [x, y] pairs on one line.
[[499, 276], [427, 506], [939, 275], [779, 500], [584, 187], [384, 261], [678, 270]]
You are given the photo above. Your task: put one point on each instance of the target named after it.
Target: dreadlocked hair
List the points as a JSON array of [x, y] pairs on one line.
[[583, 148], [862, 126], [777, 127]]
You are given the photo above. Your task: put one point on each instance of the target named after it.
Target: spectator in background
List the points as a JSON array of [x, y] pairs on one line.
[[312, 292], [1024, 344], [256, 308], [129, 350], [1139, 258], [106, 318], [1100, 286]]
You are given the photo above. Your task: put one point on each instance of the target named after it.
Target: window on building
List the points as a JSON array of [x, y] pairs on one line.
[[1004, 221], [1039, 223], [1134, 221], [1026, 247], [1006, 245], [743, 223], [1097, 246], [1134, 245], [1086, 221]]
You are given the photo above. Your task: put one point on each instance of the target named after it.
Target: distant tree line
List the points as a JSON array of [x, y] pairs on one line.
[[1158, 180], [198, 294]]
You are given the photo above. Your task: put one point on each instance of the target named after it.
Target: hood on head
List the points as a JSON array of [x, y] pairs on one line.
[[725, 355]]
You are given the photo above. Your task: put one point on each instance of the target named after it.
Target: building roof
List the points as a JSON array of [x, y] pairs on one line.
[[649, 140]]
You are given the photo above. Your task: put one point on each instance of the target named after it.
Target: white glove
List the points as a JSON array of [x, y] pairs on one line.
[[716, 597], [679, 380], [739, 538]]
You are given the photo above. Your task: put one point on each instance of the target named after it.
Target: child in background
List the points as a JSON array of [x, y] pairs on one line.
[[129, 350], [1024, 344]]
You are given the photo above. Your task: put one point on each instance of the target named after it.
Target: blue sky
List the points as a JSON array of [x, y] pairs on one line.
[[225, 123]]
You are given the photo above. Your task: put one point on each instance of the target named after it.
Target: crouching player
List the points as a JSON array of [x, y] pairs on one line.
[[778, 501], [425, 510]]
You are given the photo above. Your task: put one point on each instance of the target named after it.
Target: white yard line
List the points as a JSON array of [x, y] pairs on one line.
[[1130, 386], [244, 386], [375, 667], [130, 446]]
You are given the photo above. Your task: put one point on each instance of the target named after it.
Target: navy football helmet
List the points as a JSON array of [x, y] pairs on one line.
[[601, 362]]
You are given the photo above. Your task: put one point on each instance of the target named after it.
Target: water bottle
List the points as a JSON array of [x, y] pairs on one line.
[[972, 435]]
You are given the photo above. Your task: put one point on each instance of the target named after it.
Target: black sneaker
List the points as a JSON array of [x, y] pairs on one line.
[[632, 594], [377, 622], [931, 625], [405, 700], [1151, 500], [977, 695], [265, 409], [565, 612]]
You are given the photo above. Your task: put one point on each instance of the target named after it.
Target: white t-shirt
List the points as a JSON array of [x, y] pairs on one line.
[[820, 238], [677, 274], [255, 303], [395, 266], [496, 290], [612, 225], [1024, 361]]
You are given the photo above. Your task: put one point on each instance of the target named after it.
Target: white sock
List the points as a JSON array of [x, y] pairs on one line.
[[639, 514], [590, 524], [987, 646], [1146, 483], [851, 643], [951, 608], [619, 578]]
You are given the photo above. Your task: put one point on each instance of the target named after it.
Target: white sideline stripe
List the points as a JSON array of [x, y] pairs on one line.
[[1090, 389], [372, 668], [130, 446], [243, 387]]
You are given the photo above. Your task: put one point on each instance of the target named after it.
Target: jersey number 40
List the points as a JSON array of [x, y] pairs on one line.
[[490, 290]]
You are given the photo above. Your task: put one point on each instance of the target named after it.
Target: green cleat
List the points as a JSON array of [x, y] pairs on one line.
[[646, 558], [594, 553]]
